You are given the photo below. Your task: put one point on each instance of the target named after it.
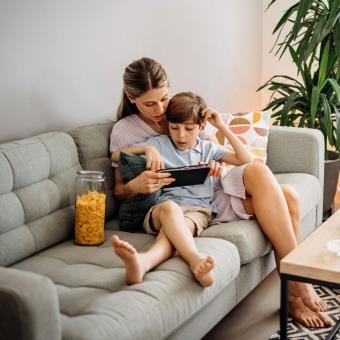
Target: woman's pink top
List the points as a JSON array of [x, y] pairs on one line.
[[132, 130]]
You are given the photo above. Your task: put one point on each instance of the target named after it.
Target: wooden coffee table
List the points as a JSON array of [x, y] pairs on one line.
[[311, 262]]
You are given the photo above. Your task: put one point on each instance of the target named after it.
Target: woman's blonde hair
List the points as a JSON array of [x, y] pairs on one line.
[[186, 106], [139, 77]]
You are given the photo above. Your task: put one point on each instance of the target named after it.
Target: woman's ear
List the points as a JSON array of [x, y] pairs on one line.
[[132, 99]]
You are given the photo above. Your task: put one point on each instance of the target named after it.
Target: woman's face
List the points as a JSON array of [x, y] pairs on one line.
[[153, 103]]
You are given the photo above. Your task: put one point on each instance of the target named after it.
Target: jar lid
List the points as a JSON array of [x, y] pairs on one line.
[[91, 174]]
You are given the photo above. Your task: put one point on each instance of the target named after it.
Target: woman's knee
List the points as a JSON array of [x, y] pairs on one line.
[[257, 174], [257, 169], [292, 198]]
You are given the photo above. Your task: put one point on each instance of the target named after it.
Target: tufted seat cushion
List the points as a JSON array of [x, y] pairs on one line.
[[95, 302]]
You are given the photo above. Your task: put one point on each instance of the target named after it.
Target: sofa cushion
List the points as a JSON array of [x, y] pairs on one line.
[[252, 128], [92, 143], [247, 235], [132, 210], [37, 194], [96, 303]]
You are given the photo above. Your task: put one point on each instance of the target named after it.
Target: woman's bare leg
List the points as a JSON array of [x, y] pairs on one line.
[[268, 203], [293, 204]]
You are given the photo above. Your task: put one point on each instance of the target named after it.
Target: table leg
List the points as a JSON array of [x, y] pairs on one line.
[[283, 308], [333, 332]]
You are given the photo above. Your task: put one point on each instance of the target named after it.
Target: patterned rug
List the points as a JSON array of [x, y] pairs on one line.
[[298, 332]]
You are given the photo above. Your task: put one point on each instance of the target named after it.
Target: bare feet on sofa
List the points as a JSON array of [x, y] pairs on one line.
[[131, 258], [306, 316], [308, 295], [202, 271]]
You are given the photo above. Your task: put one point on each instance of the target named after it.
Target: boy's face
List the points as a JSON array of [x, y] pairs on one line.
[[184, 135]]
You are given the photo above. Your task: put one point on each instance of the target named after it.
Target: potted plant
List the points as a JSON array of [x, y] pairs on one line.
[[313, 101]]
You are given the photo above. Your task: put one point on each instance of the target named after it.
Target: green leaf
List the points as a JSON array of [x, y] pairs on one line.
[[337, 38], [327, 120], [285, 16], [295, 58], [337, 130], [270, 4], [324, 132], [287, 107], [327, 26], [335, 86], [314, 105], [303, 8], [333, 17], [323, 65], [315, 37]]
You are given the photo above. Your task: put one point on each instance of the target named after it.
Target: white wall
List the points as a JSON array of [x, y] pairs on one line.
[[61, 62], [271, 64]]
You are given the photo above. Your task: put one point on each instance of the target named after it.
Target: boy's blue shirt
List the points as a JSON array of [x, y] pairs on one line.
[[204, 151]]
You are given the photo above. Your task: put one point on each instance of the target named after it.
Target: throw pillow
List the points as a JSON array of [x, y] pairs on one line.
[[133, 209], [252, 128]]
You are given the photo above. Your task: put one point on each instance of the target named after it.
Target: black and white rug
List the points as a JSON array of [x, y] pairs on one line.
[[298, 332]]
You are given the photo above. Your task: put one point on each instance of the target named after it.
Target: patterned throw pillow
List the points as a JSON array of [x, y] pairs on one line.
[[133, 209], [252, 128]]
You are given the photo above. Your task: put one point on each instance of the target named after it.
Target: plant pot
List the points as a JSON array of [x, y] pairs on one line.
[[332, 167]]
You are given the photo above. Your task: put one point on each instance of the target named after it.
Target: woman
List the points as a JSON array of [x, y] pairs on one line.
[[141, 112]]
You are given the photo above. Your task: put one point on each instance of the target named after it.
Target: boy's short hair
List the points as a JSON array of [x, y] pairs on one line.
[[185, 106]]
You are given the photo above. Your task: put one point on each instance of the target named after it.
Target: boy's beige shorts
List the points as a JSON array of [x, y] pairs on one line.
[[199, 215]]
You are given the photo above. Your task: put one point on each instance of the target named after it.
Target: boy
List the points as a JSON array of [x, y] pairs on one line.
[[181, 212]]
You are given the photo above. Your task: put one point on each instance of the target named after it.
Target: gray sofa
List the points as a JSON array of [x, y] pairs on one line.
[[52, 289]]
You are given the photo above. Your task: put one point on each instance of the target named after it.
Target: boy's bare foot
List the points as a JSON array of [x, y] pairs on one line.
[[306, 316], [202, 271], [131, 258], [308, 295]]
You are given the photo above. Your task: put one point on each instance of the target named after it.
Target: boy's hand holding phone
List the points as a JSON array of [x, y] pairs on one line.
[[153, 158]]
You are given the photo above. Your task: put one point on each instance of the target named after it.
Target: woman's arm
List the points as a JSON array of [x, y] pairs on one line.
[[240, 155], [146, 183]]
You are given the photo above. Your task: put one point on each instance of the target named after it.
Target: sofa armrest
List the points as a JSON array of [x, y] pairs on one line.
[[296, 150], [29, 306]]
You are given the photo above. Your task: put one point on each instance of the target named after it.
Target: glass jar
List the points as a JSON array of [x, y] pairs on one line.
[[90, 208]]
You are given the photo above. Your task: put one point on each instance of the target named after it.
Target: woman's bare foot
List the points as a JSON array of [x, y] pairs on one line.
[[134, 268], [202, 271], [306, 316], [308, 295]]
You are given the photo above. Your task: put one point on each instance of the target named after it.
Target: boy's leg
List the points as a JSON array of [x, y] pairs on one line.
[[137, 264], [168, 216], [270, 207]]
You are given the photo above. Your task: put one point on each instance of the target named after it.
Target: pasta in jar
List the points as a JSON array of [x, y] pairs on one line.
[[90, 209]]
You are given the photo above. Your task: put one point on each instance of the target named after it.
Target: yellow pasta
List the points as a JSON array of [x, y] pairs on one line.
[[90, 218]]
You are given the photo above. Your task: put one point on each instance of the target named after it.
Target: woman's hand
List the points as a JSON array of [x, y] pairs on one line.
[[150, 181], [213, 117], [153, 158]]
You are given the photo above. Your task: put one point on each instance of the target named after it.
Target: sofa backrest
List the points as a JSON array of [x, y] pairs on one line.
[[93, 145], [36, 194]]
